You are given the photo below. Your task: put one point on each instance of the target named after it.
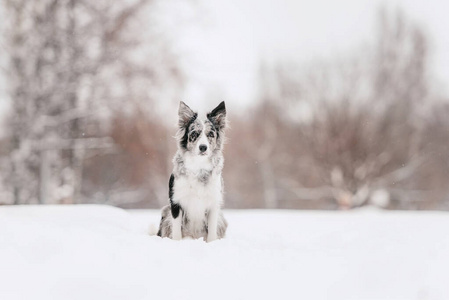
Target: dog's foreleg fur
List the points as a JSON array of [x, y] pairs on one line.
[[176, 227], [212, 222], [176, 211]]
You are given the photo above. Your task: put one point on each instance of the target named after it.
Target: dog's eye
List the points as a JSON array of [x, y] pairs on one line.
[[210, 134], [193, 136]]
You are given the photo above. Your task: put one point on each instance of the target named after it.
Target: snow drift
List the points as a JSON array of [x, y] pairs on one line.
[[99, 252]]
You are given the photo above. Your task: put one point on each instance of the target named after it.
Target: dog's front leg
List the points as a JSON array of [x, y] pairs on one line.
[[212, 222], [176, 222], [176, 228]]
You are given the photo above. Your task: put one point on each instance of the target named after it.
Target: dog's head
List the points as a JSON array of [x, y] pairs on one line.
[[201, 136]]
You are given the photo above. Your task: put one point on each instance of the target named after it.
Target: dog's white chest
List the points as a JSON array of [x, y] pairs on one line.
[[197, 198]]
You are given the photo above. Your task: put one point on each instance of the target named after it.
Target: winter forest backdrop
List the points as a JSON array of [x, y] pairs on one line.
[[90, 98]]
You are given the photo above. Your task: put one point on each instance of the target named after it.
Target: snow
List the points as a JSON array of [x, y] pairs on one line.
[[101, 252]]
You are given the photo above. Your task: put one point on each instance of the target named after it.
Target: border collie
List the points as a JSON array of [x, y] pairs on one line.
[[196, 184]]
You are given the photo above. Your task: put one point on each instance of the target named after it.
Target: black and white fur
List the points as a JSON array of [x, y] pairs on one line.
[[196, 184]]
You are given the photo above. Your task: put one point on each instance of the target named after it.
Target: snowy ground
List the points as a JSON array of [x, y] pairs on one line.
[[97, 252]]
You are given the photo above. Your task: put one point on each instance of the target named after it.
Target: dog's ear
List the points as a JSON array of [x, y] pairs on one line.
[[185, 114], [218, 116]]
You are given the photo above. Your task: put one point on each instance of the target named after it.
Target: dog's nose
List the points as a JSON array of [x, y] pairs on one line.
[[203, 148]]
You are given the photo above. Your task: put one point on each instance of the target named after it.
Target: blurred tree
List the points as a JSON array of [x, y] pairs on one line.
[[350, 132], [73, 65], [364, 135]]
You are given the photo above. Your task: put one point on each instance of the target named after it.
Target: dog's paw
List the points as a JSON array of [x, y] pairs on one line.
[[211, 238], [176, 237]]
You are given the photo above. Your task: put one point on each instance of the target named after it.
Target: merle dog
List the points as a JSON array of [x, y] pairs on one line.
[[196, 184]]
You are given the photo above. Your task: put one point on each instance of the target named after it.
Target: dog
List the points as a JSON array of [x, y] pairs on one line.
[[196, 184]]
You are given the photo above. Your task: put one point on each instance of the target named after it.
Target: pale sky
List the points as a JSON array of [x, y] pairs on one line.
[[224, 42]]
